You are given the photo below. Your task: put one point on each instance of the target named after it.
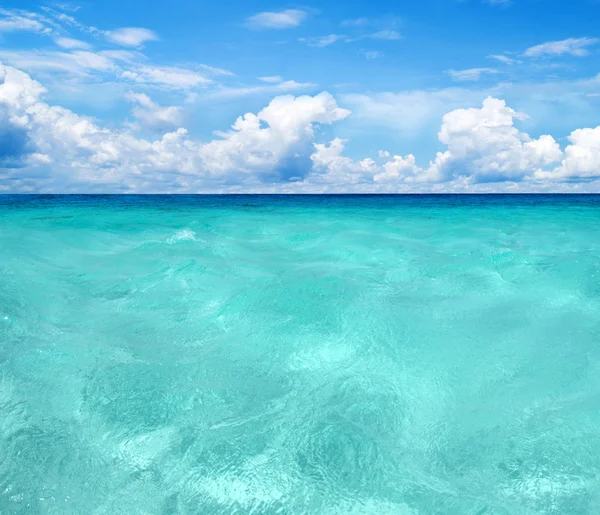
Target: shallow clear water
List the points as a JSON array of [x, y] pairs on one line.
[[388, 355]]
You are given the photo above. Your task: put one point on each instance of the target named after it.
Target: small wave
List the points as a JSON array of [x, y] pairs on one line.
[[183, 235]]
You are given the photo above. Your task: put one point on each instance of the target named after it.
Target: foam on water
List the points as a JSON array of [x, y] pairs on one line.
[[406, 355], [182, 235]]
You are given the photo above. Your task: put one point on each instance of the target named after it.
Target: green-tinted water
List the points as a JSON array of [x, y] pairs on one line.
[[401, 355]]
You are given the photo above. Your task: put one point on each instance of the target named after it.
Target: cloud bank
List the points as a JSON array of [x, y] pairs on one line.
[[47, 148]]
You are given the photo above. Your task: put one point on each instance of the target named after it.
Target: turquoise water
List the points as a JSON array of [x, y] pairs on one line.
[[351, 355]]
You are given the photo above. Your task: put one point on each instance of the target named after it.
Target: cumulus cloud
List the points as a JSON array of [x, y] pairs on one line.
[[573, 46], [484, 144], [334, 168], [131, 36], [50, 148], [274, 143], [582, 157], [150, 115], [277, 140], [286, 19]]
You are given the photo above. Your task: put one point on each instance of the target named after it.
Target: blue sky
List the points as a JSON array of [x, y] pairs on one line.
[[435, 95]]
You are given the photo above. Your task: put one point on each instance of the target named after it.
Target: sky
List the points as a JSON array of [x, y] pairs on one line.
[[270, 97]]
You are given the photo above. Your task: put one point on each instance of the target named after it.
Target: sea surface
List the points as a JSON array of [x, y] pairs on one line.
[[300, 354]]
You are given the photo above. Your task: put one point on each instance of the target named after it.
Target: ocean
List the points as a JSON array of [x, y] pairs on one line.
[[300, 354]]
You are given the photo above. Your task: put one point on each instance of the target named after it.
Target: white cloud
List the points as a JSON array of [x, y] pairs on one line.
[[126, 56], [131, 36], [474, 74], [70, 43], [274, 150], [68, 7], [371, 54], [273, 88], [271, 79], [150, 115], [165, 76], [412, 112], [91, 61], [333, 168], [82, 65], [211, 70], [22, 20], [15, 22], [488, 146], [503, 59], [573, 46], [78, 63], [482, 146], [386, 34], [582, 157], [274, 143], [323, 41], [286, 19], [71, 21], [282, 146]]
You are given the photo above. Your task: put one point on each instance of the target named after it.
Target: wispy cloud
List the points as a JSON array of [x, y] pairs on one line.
[[330, 39], [12, 20], [323, 41], [573, 46], [503, 59], [286, 19], [71, 43], [15, 23], [271, 79], [68, 7], [386, 34], [69, 20], [131, 36], [126, 56], [119, 66], [283, 86], [77, 63], [169, 77], [357, 22], [211, 70], [473, 74]]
